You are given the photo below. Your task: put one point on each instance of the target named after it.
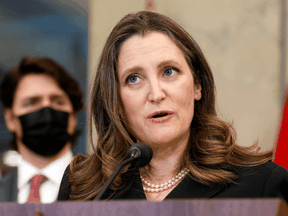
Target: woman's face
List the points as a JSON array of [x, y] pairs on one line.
[[157, 89]]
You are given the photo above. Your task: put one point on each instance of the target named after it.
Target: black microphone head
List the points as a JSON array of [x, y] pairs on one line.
[[142, 153]]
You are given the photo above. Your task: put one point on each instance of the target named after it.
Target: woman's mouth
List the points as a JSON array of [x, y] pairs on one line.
[[160, 116]]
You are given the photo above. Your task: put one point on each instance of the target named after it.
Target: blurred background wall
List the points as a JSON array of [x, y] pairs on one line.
[[54, 28], [244, 42]]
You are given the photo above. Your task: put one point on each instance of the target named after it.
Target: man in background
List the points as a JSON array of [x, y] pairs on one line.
[[41, 101]]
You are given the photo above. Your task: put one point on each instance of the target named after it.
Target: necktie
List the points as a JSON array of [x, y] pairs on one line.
[[35, 184]]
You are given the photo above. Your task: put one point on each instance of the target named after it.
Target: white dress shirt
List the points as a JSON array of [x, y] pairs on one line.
[[53, 172]]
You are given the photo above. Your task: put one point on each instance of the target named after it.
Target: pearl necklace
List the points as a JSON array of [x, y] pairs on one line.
[[162, 187]]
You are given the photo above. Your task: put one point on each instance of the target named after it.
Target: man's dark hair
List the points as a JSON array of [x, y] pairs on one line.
[[46, 66]]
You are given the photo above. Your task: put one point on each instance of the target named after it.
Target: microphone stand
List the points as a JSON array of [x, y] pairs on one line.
[[140, 154], [113, 176]]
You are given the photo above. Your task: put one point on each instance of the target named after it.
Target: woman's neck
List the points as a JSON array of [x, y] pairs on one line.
[[163, 167], [166, 161]]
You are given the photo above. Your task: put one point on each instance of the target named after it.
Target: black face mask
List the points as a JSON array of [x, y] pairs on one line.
[[45, 131]]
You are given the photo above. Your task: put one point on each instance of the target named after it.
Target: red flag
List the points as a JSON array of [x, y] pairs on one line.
[[281, 155]]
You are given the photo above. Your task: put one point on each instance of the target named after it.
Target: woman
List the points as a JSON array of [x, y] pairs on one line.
[[153, 85]]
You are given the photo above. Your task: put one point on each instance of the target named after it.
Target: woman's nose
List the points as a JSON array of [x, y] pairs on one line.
[[156, 93]]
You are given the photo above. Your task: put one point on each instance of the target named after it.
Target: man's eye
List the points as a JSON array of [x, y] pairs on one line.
[[58, 102], [30, 103], [170, 72], [133, 79]]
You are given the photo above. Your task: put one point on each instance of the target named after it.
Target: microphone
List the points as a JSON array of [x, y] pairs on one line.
[[139, 155], [142, 154]]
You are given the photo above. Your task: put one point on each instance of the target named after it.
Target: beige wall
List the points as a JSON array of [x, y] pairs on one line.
[[240, 40]]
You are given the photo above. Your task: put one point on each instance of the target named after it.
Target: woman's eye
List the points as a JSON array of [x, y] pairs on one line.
[[169, 72], [133, 79]]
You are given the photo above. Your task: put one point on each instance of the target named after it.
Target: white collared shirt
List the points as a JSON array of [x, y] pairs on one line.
[[53, 171]]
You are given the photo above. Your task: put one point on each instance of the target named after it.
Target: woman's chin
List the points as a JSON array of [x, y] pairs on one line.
[[161, 141], [165, 138]]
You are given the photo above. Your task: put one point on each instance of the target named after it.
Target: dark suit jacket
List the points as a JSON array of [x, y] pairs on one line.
[[4, 169], [8, 187], [266, 180]]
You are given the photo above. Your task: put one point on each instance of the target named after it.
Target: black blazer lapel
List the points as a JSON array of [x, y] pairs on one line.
[[8, 187], [135, 191], [186, 189], [190, 189]]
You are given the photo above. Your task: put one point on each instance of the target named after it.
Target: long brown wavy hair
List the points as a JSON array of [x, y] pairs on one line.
[[211, 153]]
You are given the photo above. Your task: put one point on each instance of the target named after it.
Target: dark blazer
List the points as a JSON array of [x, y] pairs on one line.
[[266, 180], [8, 186]]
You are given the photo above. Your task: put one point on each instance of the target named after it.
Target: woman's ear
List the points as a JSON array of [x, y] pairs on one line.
[[9, 120], [197, 92]]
